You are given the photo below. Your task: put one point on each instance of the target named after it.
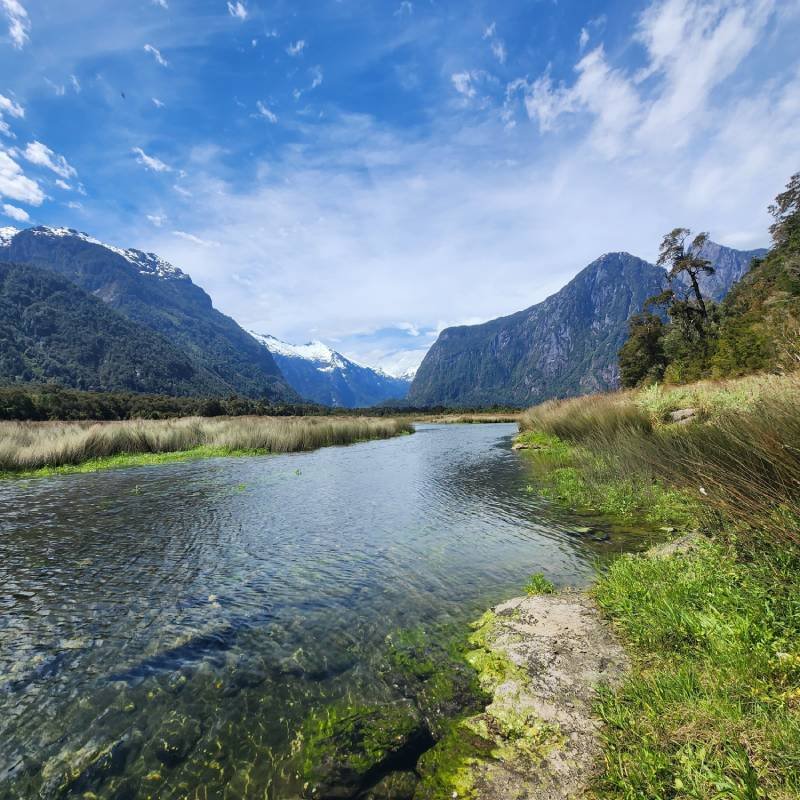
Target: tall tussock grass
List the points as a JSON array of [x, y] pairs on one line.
[[26, 446], [739, 456]]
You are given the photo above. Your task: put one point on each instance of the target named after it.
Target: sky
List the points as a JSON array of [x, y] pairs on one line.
[[368, 173]]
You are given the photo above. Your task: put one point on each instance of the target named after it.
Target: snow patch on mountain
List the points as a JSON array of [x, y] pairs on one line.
[[323, 357], [145, 263], [6, 235]]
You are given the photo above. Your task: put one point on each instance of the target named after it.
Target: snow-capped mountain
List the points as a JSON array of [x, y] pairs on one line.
[[151, 292], [318, 373]]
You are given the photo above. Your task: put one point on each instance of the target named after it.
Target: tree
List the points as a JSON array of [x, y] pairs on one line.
[[786, 211], [641, 359], [680, 258]]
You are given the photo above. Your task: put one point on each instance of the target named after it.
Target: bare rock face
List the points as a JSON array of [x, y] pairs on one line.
[[541, 658]]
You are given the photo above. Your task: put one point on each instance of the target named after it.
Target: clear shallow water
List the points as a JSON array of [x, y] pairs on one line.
[[219, 601]]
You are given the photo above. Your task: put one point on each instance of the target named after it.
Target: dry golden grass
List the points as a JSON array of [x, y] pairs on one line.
[[27, 446]]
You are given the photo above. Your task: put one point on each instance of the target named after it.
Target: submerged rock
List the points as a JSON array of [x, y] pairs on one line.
[[176, 739], [344, 750], [397, 786]]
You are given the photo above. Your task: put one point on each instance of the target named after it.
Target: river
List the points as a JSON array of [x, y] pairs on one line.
[[229, 597]]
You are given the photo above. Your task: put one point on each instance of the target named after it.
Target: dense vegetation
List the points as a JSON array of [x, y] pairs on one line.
[[710, 708], [52, 331], [154, 295], [27, 447], [755, 328], [53, 402]]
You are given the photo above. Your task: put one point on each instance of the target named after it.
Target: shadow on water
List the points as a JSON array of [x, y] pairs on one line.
[[165, 631]]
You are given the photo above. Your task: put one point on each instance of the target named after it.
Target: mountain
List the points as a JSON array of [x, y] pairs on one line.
[[324, 376], [565, 345], [53, 332], [156, 295]]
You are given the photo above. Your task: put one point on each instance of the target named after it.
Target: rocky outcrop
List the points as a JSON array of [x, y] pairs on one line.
[[541, 658]]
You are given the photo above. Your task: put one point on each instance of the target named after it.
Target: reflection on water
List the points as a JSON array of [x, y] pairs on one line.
[[164, 631]]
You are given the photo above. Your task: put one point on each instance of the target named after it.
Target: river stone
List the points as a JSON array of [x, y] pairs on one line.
[[346, 750], [176, 738], [396, 786]]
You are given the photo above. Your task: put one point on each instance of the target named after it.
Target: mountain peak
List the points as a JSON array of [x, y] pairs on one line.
[[145, 263]]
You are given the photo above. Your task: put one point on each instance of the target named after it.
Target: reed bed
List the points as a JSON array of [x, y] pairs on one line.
[[738, 457], [29, 446]]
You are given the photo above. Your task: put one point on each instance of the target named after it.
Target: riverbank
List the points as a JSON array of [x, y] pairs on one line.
[[711, 705], [47, 448]]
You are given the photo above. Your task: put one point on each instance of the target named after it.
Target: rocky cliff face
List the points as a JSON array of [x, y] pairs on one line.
[[565, 345]]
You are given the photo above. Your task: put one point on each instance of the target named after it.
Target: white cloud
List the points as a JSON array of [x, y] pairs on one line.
[[63, 185], [156, 53], [162, 3], [190, 237], [237, 9], [42, 156], [296, 48], [497, 44], [583, 40], [316, 77], [156, 219], [406, 7], [19, 24], [13, 109], [691, 48], [15, 185], [76, 84], [264, 111], [150, 162], [462, 81], [18, 214], [157, 103]]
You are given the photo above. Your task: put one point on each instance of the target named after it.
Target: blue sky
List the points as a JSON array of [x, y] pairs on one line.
[[367, 173]]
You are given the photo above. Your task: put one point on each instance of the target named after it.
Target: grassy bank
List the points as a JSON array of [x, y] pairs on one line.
[[711, 708], [50, 447]]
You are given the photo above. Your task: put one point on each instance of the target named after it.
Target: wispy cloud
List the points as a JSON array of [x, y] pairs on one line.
[[462, 82], [496, 44], [156, 219], [406, 8], [162, 3], [13, 109], [156, 53], [266, 113], [19, 24], [157, 103], [237, 9], [42, 156], [190, 237], [150, 162], [18, 214], [583, 39], [296, 48]]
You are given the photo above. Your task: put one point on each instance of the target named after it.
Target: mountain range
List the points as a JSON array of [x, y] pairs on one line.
[[565, 345], [161, 306], [85, 314], [322, 375]]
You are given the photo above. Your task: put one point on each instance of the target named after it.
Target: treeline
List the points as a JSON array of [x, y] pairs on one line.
[[681, 336], [53, 402]]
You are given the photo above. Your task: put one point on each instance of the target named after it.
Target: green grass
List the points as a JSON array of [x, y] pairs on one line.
[[132, 460], [711, 708], [538, 584]]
